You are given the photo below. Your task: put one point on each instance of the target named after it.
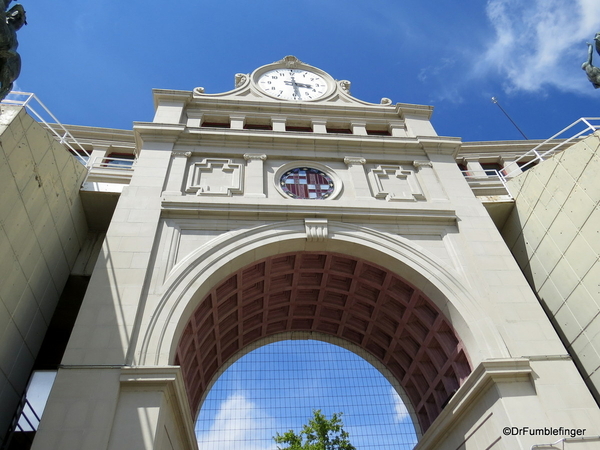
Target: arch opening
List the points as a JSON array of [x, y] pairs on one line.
[[337, 295], [276, 386]]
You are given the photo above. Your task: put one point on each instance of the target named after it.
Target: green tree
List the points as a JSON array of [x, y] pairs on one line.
[[318, 434]]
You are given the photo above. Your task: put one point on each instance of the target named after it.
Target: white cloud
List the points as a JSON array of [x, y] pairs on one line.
[[540, 43], [402, 414], [238, 425]]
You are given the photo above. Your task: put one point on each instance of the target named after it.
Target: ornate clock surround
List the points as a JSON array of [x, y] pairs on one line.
[[291, 62]]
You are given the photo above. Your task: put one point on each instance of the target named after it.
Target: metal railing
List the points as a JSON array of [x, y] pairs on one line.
[[25, 420], [564, 441], [533, 156], [104, 169], [494, 182], [488, 182], [103, 162], [44, 116]]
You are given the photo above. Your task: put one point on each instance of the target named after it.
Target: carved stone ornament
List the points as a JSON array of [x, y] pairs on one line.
[[290, 61], [255, 156], [349, 160], [240, 79], [386, 101], [199, 90], [215, 177], [345, 85], [316, 230], [395, 183], [181, 154], [419, 164]]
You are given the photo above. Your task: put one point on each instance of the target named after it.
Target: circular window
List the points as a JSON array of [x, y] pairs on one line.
[[306, 183]]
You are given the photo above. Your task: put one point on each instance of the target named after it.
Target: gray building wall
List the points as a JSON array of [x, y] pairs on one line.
[[42, 227], [554, 234]]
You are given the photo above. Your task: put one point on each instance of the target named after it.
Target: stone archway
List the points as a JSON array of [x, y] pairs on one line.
[[334, 294]]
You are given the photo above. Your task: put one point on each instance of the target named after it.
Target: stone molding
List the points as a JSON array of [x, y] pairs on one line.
[[189, 277], [486, 375], [255, 156], [215, 177], [316, 230], [348, 160], [419, 164], [169, 380], [394, 182], [424, 216]]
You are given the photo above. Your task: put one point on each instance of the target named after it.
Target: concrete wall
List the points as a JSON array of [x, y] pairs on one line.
[[554, 234], [42, 227]]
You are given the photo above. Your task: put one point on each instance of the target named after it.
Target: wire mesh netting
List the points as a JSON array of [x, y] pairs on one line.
[[276, 388]]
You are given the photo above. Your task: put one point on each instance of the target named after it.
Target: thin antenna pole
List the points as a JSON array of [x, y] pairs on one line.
[[495, 100]]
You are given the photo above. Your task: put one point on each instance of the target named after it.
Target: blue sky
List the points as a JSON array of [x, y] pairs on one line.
[[276, 387], [95, 62]]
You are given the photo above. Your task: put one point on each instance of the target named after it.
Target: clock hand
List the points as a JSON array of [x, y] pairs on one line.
[[302, 85], [295, 86]]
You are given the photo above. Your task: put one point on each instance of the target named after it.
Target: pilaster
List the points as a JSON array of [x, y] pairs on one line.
[[254, 183], [106, 328], [358, 176], [319, 126], [359, 128], [177, 173], [430, 180]]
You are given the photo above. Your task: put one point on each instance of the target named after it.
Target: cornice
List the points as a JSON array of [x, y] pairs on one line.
[[157, 132], [240, 207], [255, 105], [403, 109], [319, 145], [170, 95], [489, 373], [168, 380]]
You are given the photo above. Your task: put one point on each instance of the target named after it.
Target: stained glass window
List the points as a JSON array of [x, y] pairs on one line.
[[306, 183]]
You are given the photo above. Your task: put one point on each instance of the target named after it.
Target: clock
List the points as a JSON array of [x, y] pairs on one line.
[[293, 84]]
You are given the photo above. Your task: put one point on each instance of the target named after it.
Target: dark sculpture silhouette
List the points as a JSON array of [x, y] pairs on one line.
[[11, 21], [592, 72]]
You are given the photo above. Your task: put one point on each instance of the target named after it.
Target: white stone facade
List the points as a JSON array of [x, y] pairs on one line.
[[204, 205]]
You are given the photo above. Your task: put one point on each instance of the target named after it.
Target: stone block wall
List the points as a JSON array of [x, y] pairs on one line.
[[42, 227], [554, 234]]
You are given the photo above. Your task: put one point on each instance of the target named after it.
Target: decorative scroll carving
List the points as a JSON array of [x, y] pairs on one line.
[[215, 176], [419, 164], [199, 90], [395, 183], [255, 156], [240, 79], [316, 230], [345, 85], [348, 160], [385, 101], [291, 61]]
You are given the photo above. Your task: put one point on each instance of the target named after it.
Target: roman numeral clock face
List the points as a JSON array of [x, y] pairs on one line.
[[293, 84]]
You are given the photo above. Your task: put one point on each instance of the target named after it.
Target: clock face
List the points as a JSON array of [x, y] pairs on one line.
[[293, 84]]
